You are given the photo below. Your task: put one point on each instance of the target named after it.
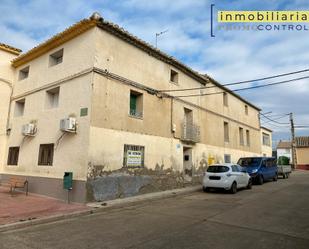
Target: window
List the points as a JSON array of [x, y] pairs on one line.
[[226, 132], [218, 169], [188, 118], [266, 139], [136, 104], [174, 76], [46, 154], [19, 107], [248, 137], [246, 110], [241, 136], [133, 156], [56, 58], [23, 73], [13, 156], [225, 99], [227, 158], [52, 98], [235, 168]]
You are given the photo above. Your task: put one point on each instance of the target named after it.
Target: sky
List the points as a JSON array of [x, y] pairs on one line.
[[230, 56]]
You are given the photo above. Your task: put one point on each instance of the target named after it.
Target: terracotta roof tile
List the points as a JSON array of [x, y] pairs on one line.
[[10, 49], [284, 145]]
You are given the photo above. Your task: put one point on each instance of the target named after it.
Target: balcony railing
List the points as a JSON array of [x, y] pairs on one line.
[[190, 132], [135, 113]]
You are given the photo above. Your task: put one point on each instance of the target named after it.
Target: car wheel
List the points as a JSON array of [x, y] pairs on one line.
[[284, 176], [260, 180], [233, 188], [287, 175], [275, 178], [249, 186], [205, 189]]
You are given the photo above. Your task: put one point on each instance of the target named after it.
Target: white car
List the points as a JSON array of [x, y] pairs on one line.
[[226, 176]]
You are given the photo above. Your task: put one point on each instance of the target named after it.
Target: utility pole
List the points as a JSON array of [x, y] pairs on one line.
[[293, 145]]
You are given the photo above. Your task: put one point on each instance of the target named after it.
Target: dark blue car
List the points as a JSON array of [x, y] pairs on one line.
[[260, 168]]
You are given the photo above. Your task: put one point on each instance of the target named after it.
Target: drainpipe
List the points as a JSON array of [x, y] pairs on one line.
[[172, 123], [9, 109]]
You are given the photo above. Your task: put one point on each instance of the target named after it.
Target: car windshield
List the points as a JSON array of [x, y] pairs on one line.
[[218, 169], [250, 162]]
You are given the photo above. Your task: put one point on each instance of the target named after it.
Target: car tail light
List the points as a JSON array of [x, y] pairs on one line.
[[228, 174]]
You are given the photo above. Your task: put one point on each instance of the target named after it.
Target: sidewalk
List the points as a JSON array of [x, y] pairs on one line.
[[20, 208], [21, 211]]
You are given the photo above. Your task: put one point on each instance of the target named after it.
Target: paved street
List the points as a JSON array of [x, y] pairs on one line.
[[275, 215]]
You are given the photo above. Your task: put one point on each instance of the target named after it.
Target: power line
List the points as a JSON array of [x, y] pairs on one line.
[[276, 115], [274, 120], [246, 88], [283, 125], [237, 83]]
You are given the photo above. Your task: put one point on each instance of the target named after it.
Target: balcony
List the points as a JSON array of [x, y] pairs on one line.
[[135, 113], [190, 133]]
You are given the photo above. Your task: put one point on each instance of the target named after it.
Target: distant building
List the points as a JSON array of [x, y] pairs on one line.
[[302, 152], [284, 148]]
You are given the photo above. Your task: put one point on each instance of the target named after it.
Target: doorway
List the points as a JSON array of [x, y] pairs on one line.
[[187, 163]]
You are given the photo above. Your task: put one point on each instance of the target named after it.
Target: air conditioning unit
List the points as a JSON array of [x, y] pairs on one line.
[[29, 129], [68, 124]]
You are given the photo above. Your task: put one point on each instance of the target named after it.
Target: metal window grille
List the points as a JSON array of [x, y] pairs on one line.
[[46, 154], [13, 156], [133, 156]]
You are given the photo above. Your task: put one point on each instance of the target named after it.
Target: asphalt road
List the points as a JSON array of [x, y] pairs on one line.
[[274, 215]]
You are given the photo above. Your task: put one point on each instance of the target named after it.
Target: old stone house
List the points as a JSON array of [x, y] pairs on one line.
[[89, 101]]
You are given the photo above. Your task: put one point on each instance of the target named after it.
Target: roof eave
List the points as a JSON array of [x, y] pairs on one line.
[[10, 49], [54, 41]]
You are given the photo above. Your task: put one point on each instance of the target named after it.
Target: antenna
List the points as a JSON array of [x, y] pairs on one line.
[[158, 34]]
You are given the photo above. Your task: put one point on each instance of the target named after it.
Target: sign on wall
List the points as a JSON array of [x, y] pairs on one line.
[[134, 158]]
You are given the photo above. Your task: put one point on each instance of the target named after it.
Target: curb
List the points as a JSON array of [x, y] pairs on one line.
[[101, 207]]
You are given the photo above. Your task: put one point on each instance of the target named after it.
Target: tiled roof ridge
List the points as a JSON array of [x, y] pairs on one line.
[[9, 48]]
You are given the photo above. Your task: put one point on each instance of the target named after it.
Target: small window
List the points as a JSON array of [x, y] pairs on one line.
[[246, 110], [227, 158], [136, 104], [248, 137], [52, 98], [226, 132], [241, 136], [56, 58], [19, 107], [13, 156], [24, 73], [174, 76], [133, 156], [46, 154], [225, 99]]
